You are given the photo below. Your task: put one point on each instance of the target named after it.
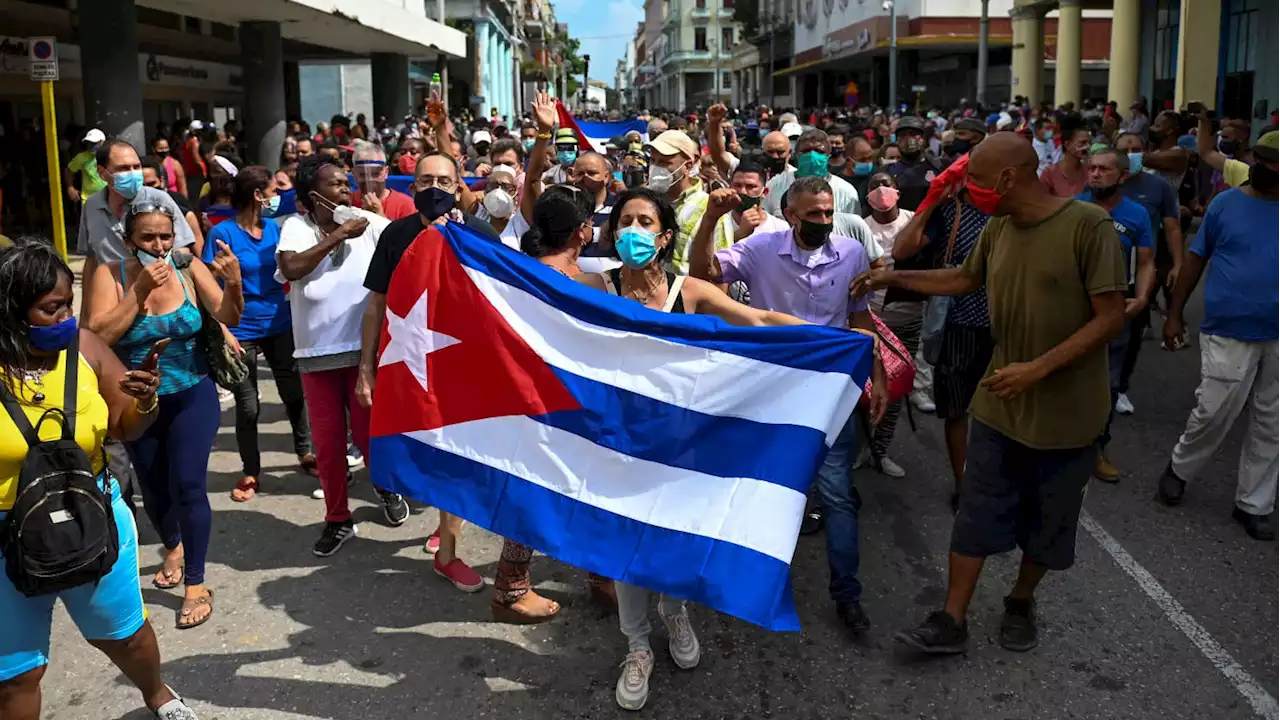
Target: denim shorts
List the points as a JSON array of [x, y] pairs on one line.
[[110, 609], [1017, 496]]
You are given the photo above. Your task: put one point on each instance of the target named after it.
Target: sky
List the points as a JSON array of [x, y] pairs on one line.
[[604, 34]]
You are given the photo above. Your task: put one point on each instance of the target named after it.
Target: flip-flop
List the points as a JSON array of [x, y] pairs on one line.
[[248, 488], [188, 608], [179, 571]]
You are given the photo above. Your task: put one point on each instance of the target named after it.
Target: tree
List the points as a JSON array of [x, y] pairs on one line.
[[747, 14], [568, 48]]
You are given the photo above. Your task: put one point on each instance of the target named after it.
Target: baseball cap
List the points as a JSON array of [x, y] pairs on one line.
[[480, 136], [196, 125], [616, 142], [971, 124], [1268, 146], [674, 142], [504, 170], [792, 130], [911, 122], [95, 136]]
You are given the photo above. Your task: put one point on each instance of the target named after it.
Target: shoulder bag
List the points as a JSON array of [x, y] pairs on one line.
[[939, 306]]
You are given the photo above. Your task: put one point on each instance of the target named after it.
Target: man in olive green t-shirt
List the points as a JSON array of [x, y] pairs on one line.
[[1055, 281]]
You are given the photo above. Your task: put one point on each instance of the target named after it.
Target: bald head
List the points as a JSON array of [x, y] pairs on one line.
[[1006, 163], [776, 144]]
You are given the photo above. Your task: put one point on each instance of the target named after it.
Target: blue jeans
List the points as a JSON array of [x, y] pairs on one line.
[[840, 503], [1116, 351]]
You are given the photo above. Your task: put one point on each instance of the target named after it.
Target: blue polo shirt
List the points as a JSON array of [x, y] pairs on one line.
[[266, 312], [1133, 225], [1241, 288]]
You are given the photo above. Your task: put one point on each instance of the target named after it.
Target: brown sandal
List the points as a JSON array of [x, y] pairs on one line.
[[188, 608], [247, 489], [171, 581], [526, 610]]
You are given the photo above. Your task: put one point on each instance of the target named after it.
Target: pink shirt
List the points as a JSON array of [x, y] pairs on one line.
[[1058, 184]]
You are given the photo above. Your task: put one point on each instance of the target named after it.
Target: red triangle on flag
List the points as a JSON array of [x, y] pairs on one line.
[[442, 332]]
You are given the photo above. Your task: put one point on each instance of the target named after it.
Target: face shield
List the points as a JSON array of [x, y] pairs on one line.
[[371, 175]]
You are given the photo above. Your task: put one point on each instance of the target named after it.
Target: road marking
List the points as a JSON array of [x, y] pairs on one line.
[[1257, 696]]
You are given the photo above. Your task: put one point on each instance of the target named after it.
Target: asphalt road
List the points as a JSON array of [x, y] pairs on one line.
[[1168, 613]]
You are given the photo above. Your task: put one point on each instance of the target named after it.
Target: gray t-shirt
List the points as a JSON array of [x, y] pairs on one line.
[[102, 233]]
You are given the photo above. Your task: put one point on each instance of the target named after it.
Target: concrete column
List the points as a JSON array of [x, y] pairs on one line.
[[482, 57], [1028, 53], [262, 57], [109, 62], [1067, 75], [681, 97], [293, 91], [1198, 38], [509, 97], [390, 75], [1122, 77]]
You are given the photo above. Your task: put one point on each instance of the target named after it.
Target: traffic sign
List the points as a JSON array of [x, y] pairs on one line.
[[918, 88], [42, 56]]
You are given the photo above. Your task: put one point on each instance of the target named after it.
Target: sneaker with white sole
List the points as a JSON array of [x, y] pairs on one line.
[[175, 709], [888, 467], [923, 403], [864, 457], [685, 651], [1123, 405], [334, 536], [633, 683], [394, 508], [317, 494], [354, 458]]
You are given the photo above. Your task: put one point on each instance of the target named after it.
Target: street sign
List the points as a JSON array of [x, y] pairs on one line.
[[477, 99], [918, 88], [42, 54]]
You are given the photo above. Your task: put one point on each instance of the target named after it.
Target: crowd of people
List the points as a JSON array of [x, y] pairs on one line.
[[1007, 262]]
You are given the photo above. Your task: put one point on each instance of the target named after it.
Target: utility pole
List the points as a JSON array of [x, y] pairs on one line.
[[772, 39], [442, 61], [892, 7], [983, 29], [586, 66]]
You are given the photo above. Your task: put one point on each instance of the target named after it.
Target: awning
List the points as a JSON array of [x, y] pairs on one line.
[[911, 41]]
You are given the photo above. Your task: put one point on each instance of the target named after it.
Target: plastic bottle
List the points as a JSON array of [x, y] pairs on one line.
[[437, 87]]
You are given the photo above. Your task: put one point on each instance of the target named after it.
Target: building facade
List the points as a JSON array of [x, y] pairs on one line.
[[691, 61]]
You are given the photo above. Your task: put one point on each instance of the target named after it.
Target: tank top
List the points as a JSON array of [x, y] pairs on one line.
[[91, 421], [675, 283], [182, 363], [171, 173]]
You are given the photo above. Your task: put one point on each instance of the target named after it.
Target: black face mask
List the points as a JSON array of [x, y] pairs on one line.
[[1105, 193], [1263, 179], [837, 152], [433, 202], [814, 235], [775, 165], [960, 147], [747, 203], [1228, 147], [1154, 137]]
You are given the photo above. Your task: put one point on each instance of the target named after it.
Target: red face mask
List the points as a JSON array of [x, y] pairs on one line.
[[408, 164], [985, 199]]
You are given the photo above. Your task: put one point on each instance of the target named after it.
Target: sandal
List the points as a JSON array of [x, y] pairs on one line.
[[188, 608], [170, 581], [529, 609], [309, 466], [245, 489]]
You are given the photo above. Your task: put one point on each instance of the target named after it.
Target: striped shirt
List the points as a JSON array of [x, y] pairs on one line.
[[690, 207]]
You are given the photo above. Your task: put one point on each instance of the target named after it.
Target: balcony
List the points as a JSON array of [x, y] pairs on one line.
[[700, 14], [679, 57]]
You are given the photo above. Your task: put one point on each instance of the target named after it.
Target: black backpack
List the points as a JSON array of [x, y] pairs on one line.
[[61, 531]]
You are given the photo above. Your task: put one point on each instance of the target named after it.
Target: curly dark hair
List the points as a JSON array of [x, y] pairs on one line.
[[558, 212], [308, 174], [666, 217], [28, 271]]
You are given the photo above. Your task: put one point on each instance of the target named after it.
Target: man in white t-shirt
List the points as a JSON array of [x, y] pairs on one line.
[[811, 158], [324, 256]]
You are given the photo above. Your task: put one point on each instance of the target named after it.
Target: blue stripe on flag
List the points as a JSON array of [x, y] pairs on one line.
[[808, 347], [602, 131], [718, 574], [722, 446]]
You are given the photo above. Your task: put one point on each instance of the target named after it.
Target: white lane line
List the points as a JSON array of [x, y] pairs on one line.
[[1259, 699]]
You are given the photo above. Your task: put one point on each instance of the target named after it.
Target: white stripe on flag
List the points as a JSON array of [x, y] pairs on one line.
[[754, 514], [707, 381]]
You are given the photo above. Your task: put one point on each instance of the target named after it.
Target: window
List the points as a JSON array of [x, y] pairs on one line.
[[700, 39], [192, 25], [726, 4], [159, 18], [700, 4], [726, 38], [1240, 36], [728, 81], [222, 31], [1168, 18]]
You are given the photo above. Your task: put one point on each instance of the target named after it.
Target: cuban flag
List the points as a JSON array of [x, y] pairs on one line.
[[593, 135], [668, 451]]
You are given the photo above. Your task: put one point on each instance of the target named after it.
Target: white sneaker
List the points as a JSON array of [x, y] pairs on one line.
[[225, 397], [633, 683], [685, 650], [921, 400], [1123, 406], [888, 467], [317, 494]]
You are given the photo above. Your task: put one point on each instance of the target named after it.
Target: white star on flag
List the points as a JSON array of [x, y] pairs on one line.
[[412, 341]]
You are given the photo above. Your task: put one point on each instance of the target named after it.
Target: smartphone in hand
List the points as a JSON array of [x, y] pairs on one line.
[[152, 360]]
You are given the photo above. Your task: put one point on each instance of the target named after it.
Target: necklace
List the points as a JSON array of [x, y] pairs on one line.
[[36, 378]]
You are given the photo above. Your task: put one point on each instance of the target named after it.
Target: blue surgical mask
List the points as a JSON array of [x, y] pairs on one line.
[[1135, 163], [146, 259], [812, 164], [566, 157], [272, 207], [52, 338], [636, 247], [528, 144], [1048, 135], [128, 183], [863, 169]]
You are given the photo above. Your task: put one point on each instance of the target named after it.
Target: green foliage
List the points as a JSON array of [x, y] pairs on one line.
[[747, 12]]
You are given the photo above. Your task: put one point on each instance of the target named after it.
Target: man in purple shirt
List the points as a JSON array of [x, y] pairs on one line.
[[805, 271]]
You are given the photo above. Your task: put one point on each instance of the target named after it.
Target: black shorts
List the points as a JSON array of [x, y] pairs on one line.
[[1016, 496], [965, 354]]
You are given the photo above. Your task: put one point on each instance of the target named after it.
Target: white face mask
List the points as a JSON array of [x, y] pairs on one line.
[[343, 213], [499, 204], [146, 259], [661, 179]]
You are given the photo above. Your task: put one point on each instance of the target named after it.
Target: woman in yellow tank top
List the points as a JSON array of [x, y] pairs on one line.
[[36, 328]]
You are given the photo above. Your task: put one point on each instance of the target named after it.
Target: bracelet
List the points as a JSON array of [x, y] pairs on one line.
[[542, 136], [155, 403]]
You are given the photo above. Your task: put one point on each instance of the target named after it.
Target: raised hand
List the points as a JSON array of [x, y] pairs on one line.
[[225, 265], [544, 112], [152, 277], [435, 110], [722, 201], [716, 114]]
